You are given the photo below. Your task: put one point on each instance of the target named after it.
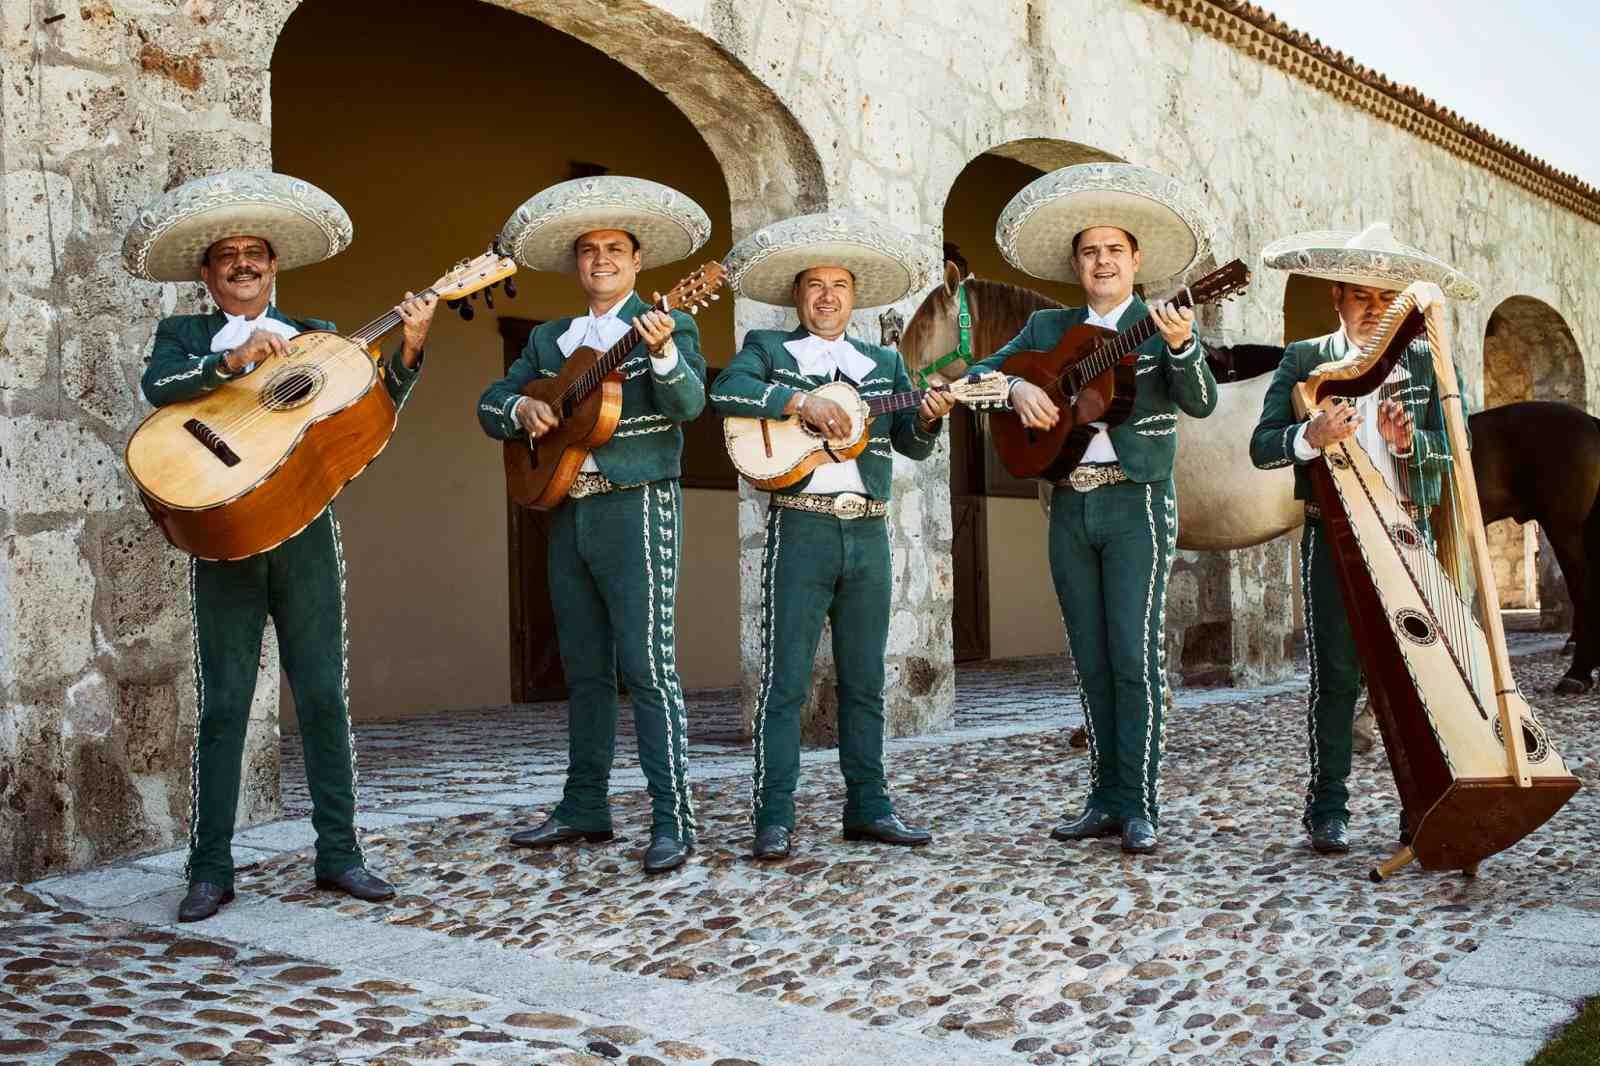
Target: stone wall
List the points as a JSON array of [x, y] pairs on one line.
[[806, 104]]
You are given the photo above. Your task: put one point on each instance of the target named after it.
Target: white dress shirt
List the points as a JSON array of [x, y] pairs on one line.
[[1100, 449], [823, 358], [1367, 434], [600, 332], [237, 330]]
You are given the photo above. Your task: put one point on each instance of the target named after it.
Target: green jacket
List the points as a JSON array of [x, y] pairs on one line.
[[760, 379], [1272, 444], [183, 366], [648, 442], [1147, 442]]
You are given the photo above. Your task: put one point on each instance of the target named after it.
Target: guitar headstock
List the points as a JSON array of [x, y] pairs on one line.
[[470, 276], [697, 290], [985, 391], [1221, 284]]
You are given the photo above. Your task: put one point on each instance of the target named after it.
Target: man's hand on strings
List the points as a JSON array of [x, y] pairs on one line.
[[1032, 405], [1333, 425], [416, 314], [1395, 426]]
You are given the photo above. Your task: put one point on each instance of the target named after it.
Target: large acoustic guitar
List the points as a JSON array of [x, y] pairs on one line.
[[774, 453], [1090, 376], [587, 398], [248, 465]]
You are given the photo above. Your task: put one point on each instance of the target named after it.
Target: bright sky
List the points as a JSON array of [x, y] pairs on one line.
[[1528, 73]]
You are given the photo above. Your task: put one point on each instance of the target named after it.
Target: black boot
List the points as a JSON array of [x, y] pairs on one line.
[[772, 842], [553, 831], [204, 900], [888, 830], [1331, 836], [1138, 836], [1091, 823], [665, 853], [361, 883]]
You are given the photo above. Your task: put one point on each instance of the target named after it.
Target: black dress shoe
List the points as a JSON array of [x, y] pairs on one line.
[[1091, 823], [361, 883], [1138, 836], [1330, 837], [888, 830], [665, 853], [554, 831], [772, 842], [203, 900]]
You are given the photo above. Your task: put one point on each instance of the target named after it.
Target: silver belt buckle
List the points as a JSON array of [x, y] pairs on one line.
[[849, 505], [1084, 478]]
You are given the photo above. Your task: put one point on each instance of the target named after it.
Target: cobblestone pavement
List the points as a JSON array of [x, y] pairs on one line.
[[1235, 943]]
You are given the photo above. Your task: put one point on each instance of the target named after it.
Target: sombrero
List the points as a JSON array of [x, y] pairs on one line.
[[883, 258], [1372, 258], [169, 239], [668, 225], [1172, 226]]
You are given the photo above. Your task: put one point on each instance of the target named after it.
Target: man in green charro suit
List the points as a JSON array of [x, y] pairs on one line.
[[827, 544], [615, 544], [234, 232], [1114, 522], [1400, 425]]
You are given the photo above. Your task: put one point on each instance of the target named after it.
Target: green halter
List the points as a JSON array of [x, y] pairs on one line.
[[963, 349]]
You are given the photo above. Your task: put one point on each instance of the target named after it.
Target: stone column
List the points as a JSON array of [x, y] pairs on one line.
[[96, 681]]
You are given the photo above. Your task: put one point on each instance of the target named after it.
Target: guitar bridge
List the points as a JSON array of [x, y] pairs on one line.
[[212, 440]]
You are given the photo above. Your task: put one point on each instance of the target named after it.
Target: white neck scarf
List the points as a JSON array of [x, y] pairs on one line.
[[820, 358], [239, 328], [597, 332]]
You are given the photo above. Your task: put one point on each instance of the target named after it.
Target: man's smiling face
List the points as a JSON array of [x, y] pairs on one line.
[[608, 264], [240, 273]]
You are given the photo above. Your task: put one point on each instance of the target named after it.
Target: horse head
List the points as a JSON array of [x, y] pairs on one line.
[[998, 312]]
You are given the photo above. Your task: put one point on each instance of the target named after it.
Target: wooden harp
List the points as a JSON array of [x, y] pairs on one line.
[[1475, 768]]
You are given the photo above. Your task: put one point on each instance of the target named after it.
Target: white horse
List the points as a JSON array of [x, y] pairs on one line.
[[1223, 500]]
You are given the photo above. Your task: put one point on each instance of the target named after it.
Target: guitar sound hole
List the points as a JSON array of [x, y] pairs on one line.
[[291, 387], [1416, 627], [1405, 536], [1337, 461]]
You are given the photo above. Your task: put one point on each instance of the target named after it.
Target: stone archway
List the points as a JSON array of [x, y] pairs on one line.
[[1529, 353]]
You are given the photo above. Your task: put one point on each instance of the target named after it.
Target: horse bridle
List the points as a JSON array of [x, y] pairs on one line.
[[963, 348]]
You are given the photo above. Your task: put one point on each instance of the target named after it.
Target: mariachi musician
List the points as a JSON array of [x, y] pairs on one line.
[[234, 232], [1400, 425], [1114, 521], [615, 542], [827, 544]]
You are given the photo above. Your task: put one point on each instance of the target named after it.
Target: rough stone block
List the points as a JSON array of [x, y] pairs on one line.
[[148, 618], [1402, 1046], [27, 338], [46, 599], [1565, 925], [38, 217], [58, 466]]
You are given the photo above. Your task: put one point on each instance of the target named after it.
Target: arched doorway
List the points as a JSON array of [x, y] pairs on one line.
[[1002, 609], [431, 123], [1529, 353]]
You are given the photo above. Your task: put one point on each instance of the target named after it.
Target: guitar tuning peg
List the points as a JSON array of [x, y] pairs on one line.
[[465, 311], [511, 289], [488, 297], [694, 310]]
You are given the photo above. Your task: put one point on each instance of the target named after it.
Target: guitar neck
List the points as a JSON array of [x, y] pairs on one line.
[[374, 330], [900, 401], [607, 364], [1108, 354]]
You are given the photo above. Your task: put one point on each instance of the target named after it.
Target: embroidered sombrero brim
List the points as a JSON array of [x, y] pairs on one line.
[[669, 226], [883, 258], [1371, 257], [303, 224], [1172, 226]]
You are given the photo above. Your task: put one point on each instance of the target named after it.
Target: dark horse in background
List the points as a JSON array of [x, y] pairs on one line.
[[1534, 461]]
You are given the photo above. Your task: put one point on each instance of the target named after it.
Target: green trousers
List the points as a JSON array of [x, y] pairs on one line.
[[1335, 678], [818, 567], [300, 584], [1111, 550], [613, 584]]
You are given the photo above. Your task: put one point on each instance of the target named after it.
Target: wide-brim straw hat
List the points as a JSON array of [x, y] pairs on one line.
[[1371, 257], [883, 258], [1172, 226], [668, 225], [169, 239]]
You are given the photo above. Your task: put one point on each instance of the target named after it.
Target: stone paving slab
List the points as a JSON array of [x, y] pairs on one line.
[[1406, 1047], [1570, 971], [1512, 1012], [1564, 924], [113, 886]]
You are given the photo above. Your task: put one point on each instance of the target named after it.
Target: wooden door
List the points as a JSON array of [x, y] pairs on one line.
[[969, 519], [535, 657]]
